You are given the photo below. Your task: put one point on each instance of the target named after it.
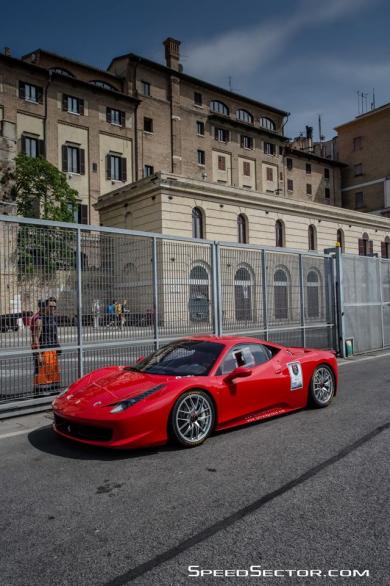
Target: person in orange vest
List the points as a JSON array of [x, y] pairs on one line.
[[46, 349]]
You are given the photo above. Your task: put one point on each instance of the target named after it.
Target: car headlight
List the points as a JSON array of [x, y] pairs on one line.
[[123, 405]]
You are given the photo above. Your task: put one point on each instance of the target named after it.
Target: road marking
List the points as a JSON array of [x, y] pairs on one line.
[[21, 432], [364, 359], [230, 520]]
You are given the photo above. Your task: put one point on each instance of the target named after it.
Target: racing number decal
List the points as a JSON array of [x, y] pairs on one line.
[[296, 376]]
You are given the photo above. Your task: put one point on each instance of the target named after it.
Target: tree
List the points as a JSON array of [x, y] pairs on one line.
[[40, 190]]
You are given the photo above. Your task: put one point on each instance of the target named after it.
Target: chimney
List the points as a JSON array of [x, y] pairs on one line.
[[7, 51], [172, 53], [309, 137]]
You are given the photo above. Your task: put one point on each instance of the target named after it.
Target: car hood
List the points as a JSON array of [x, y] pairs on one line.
[[109, 387]]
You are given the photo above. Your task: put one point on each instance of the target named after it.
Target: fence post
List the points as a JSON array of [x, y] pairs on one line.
[[381, 300], [217, 302], [302, 300], [264, 281], [340, 302], [79, 306], [155, 295]]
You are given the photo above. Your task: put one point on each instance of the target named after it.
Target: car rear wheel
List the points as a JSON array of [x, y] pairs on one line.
[[192, 418], [322, 386]]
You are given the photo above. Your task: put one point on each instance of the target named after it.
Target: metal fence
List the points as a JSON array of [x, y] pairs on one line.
[[365, 302], [120, 294]]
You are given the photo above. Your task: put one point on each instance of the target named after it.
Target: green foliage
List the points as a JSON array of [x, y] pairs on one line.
[[40, 190]]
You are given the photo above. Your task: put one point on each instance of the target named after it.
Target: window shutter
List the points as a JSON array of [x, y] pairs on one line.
[[82, 161], [361, 247], [123, 169], [39, 95], [108, 115], [22, 90], [81, 107], [41, 148], [64, 103], [108, 167], [23, 144], [83, 214], [64, 158], [123, 119], [370, 248], [383, 250]]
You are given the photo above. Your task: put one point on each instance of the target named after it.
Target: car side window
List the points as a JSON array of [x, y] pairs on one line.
[[244, 355]]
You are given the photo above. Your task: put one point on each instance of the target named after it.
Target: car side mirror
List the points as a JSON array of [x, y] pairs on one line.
[[239, 372], [140, 359]]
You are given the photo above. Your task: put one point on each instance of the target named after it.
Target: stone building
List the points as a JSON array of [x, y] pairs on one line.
[[364, 144], [107, 128], [195, 129], [77, 117]]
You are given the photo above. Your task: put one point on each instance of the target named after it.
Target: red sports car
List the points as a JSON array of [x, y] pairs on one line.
[[191, 387]]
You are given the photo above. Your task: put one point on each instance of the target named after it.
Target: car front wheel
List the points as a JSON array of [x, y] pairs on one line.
[[322, 386], [192, 418]]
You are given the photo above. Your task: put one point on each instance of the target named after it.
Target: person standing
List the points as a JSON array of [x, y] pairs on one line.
[[118, 313], [96, 310], [46, 349]]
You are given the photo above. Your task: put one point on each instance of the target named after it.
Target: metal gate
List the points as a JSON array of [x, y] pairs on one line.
[[364, 297]]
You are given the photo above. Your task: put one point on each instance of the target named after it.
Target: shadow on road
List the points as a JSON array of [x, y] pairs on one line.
[[45, 440]]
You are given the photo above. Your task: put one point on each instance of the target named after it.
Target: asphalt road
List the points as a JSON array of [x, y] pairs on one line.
[[307, 491]]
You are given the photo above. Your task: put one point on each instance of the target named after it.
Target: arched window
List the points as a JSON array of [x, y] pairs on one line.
[[244, 116], [61, 71], [313, 294], [267, 123], [243, 295], [197, 223], [312, 237], [385, 247], [281, 294], [219, 107], [340, 239], [242, 229], [365, 245], [199, 300], [279, 234], [103, 84]]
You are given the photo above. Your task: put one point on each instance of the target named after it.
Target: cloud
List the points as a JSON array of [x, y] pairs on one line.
[[249, 49]]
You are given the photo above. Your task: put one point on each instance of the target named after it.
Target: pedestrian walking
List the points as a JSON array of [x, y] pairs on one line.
[[46, 349], [111, 314]]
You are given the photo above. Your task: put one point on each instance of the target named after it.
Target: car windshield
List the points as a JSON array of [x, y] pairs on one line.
[[182, 358]]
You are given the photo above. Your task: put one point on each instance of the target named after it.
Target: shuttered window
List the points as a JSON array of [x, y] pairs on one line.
[[246, 168], [30, 92], [221, 163], [115, 117], [32, 146], [72, 105], [73, 159], [116, 168]]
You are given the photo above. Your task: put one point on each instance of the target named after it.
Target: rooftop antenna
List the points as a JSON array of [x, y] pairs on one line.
[[358, 101], [320, 128], [230, 83], [373, 99]]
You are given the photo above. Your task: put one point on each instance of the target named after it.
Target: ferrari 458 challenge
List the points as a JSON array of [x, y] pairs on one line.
[[192, 387]]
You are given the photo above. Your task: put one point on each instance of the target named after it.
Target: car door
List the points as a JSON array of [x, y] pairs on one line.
[[266, 387]]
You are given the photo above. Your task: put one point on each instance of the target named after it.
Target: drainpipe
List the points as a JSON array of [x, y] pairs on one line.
[[45, 114], [135, 125], [284, 159]]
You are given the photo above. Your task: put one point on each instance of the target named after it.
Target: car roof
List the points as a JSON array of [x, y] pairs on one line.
[[232, 340]]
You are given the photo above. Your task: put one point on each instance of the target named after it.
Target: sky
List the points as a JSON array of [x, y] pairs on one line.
[[308, 57]]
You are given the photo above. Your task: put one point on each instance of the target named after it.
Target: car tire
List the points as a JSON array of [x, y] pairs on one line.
[[322, 386], [192, 418]]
